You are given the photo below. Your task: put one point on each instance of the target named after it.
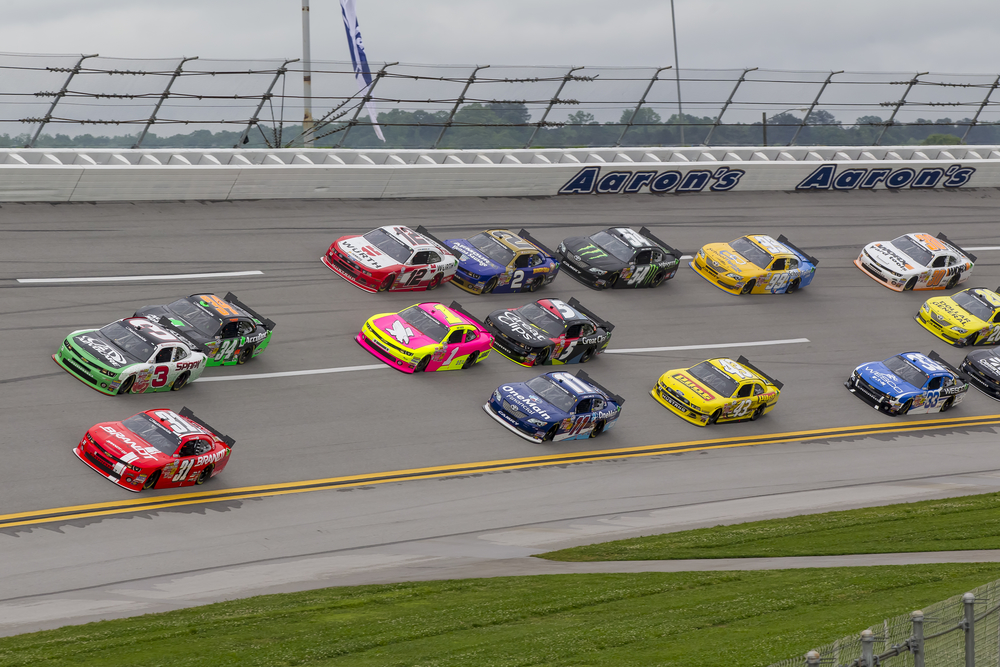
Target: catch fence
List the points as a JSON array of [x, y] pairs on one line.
[[94, 101]]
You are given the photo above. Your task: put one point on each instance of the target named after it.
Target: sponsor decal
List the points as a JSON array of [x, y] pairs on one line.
[[139, 449], [519, 326], [885, 379], [400, 332], [110, 354], [214, 457], [188, 365], [691, 384], [589, 180], [827, 177], [527, 404], [956, 313]]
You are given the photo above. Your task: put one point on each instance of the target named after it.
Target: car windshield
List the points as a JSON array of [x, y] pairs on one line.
[[416, 316], [911, 249], [153, 433], [714, 378], [388, 245], [129, 342], [752, 252], [542, 319], [492, 248], [552, 392], [195, 315], [972, 303], [613, 245], [907, 371]]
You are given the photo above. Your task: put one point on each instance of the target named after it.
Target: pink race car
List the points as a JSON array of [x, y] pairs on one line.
[[427, 337]]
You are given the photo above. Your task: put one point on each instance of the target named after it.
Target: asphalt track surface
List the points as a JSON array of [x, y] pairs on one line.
[[369, 475]]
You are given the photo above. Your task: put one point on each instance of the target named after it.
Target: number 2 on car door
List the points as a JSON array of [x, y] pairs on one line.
[[516, 282]]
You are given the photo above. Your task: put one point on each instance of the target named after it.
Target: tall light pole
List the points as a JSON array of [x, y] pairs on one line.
[[677, 71], [307, 119]]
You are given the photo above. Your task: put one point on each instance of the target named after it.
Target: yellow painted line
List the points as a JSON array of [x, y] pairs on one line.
[[76, 512]]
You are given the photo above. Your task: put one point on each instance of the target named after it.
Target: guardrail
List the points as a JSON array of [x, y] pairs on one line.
[[86, 175]]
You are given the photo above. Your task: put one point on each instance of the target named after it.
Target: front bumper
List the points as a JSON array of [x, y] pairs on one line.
[[378, 349], [116, 472], [86, 373], [711, 275], [679, 408], [980, 380], [583, 275], [948, 336], [879, 400], [508, 423], [351, 275], [880, 274]]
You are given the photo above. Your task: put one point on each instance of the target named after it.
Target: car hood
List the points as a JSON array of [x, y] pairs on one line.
[[722, 258], [517, 328], [945, 311], [127, 446], [365, 253], [878, 375], [690, 388], [98, 350], [471, 260], [889, 257], [397, 331], [530, 404], [584, 251]]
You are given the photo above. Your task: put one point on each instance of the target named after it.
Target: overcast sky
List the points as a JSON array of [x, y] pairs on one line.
[[853, 35]]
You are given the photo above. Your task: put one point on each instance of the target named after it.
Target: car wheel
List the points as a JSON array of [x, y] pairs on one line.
[[910, 284], [551, 434], [471, 360], [387, 283], [906, 407], [151, 480], [126, 386], [793, 287], [748, 287], [588, 355], [658, 278], [489, 286], [422, 364], [543, 356], [205, 474], [436, 282], [947, 404], [598, 429], [181, 380], [952, 282], [714, 417], [757, 413], [534, 284], [246, 354]]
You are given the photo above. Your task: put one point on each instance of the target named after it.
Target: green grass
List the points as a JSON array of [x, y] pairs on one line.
[[970, 522], [687, 619]]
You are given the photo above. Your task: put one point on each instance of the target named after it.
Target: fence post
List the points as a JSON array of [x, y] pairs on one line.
[[264, 98], [458, 103], [164, 95], [917, 638], [729, 100], [867, 648], [812, 659], [62, 92], [812, 106], [642, 100], [981, 107], [969, 624], [902, 100], [323, 122], [555, 98]]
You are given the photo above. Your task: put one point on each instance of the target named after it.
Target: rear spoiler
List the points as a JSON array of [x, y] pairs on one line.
[[957, 247], [423, 231], [187, 414], [746, 362], [231, 298], [782, 239], [582, 375], [573, 303], [457, 307], [934, 356], [166, 324], [663, 244], [526, 235]]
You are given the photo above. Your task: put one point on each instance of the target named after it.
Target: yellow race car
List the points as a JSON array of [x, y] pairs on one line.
[[755, 264], [718, 390], [969, 317]]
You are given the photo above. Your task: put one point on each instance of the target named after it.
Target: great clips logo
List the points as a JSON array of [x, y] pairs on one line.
[[590, 181], [828, 178]]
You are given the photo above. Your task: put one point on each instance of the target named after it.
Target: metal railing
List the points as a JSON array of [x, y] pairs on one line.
[[44, 99], [962, 631]]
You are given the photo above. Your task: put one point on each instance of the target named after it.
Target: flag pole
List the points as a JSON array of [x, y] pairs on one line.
[[677, 71], [307, 118]]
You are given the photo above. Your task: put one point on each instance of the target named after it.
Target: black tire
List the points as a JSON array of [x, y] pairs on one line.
[[435, 282], [588, 355], [126, 386], [658, 278], [542, 357], [906, 407], [551, 433], [387, 283], [246, 354], [947, 404], [205, 475], [181, 380], [422, 364], [757, 413], [794, 286], [151, 480], [598, 429], [471, 360], [910, 284], [489, 286], [534, 284], [952, 282], [612, 281], [714, 417], [748, 287]]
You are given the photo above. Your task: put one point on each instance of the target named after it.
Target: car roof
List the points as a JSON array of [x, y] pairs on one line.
[[633, 238], [717, 362], [925, 364], [517, 245], [575, 386], [412, 239], [933, 245], [550, 306], [443, 314], [139, 326], [770, 245]]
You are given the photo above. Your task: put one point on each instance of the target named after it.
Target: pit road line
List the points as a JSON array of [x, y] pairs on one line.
[[176, 276]]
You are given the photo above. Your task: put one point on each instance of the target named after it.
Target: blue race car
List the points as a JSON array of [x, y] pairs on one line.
[[909, 383], [500, 261], [555, 406]]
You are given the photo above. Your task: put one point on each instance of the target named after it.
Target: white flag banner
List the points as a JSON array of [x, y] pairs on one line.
[[361, 72]]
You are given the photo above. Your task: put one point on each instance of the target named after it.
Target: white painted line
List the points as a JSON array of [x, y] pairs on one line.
[[177, 276], [636, 350], [315, 371], [687, 256], [985, 247]]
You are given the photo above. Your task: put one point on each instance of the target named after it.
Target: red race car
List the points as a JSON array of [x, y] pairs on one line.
[[394, 258], [156, 449]]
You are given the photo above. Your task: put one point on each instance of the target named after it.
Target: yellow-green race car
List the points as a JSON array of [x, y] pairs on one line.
[[718, 390], [969, 317]]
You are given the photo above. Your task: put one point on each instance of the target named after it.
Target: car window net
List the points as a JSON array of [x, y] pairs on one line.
[[490, 247], [620, 250], [388, 245], [127, 341], [153, 433], [552, 393], [427, 325], [907, 371], [752, 252], [908, 247], [714, 378]]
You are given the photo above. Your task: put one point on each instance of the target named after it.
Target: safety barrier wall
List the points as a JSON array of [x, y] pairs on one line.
[[89, 175]]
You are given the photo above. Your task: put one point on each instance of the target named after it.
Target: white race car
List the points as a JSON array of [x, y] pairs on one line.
[[916, 262]]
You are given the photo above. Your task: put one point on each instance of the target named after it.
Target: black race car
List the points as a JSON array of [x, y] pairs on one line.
[[549, 331], [228, 330], [619, 257], [982, 370]]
